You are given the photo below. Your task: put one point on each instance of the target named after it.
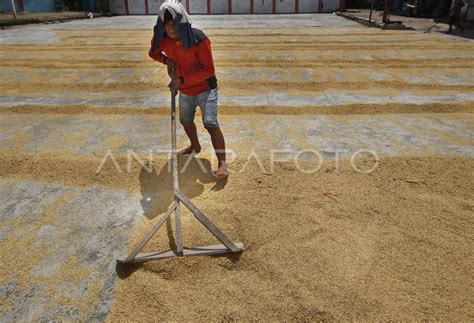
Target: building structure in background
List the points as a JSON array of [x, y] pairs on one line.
[[426, 8], [211, 7]]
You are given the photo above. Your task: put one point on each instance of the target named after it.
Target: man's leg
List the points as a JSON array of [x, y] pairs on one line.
[[187, 110], [191, 132], [218, 143], [458, 24], [450, 22], [208, 104]]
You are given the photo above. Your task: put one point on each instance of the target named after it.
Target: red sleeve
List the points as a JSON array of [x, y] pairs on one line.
[[207, 65], [157, 55]]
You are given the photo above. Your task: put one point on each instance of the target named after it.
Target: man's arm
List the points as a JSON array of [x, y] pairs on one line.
[[157, 55], [207, 65]]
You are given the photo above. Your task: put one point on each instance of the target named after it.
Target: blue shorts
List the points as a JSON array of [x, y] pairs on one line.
[[207, 101]]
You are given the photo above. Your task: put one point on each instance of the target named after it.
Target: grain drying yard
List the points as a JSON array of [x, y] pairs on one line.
[[395, 243]]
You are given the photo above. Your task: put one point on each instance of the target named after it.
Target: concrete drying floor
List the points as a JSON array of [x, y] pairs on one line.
[[71, 92]]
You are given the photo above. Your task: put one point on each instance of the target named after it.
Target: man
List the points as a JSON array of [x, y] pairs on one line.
[[187, 52], [455, 15]]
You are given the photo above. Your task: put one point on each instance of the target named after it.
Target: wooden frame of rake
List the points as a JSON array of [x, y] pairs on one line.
[[227, 244]]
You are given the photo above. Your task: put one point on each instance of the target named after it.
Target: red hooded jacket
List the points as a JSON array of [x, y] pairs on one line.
[[195, 65]]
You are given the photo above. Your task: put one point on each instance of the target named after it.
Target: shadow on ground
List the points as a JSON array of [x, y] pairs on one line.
[[157, 187], [467, 33]]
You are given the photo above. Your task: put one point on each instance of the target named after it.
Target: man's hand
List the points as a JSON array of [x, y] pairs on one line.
[[175, 84], [171, 65]]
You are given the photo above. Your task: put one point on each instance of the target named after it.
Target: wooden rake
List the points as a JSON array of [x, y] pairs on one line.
[[429, 29], [227, 244]]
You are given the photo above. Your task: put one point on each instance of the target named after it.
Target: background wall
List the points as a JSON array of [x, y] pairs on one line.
[[229, 6], [28, 5], [6, 6], [468, 11], [262, 6]]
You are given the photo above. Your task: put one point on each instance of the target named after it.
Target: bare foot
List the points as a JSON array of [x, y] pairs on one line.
[[189, 150], [221, 173]]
